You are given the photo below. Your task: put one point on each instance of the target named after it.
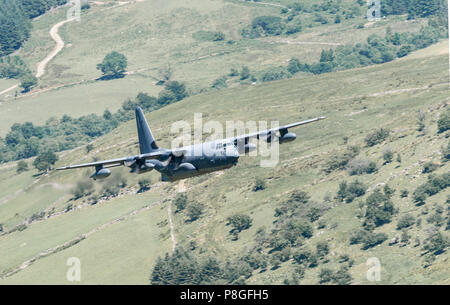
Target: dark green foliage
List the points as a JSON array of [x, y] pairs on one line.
[[359, 166], [82, 188], [405, 221], [13, 67], [22, 166], [260, 184], [446, 152], [340, 161], [144, 185], [377, 137], [368, 239], [379, 209], [295, 66], [194, 211], [340, 277], [180, 202], [388, 156], [433, 186], [430, 167], [444, 121], [264, 26], [239, 222], [15, 24], [436, 244], [28, 81], [185, 268], [45, 160], [26, 140], [245, 73], [112, 185], [305, 257], [322, 249], [348, 193], [325, 276], [220, 83], [275, 74], [113, 65], [404, 193]]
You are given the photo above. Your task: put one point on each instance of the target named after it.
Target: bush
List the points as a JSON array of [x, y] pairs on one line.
[[220, 83], [209, 36], [433, 186], [359, 166], [28, 81], [239, 222], [322, 249], [444, 121], [349, 192], [379, 209], [388, 156], [260, 185], [245, 73], [436, 244], [22, 166], [305, 257], [144, 185], [340, 161], [194, 211], [367, 239], [275, 74], [83, 188], [377, 137], [405, 221], [113, 65], [429, 167], [446, 152], [45, 160], [180, 202]]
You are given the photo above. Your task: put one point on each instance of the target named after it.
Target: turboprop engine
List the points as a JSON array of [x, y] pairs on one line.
[[288, 137], [101, 173]]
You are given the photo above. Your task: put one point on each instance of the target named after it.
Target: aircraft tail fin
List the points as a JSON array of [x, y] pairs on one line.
[[147, 143]]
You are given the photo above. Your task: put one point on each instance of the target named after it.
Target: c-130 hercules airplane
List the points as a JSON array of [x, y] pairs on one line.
[[186, 162]]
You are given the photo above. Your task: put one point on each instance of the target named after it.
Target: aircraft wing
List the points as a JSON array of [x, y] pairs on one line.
[[265, 133], [117, 162]]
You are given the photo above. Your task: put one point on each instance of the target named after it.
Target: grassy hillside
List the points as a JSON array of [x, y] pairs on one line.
[[153, 34], [118, 239]]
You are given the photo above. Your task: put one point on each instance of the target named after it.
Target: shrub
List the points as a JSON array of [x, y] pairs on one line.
[[444, 121], [349, 192], [429, 167], [379, 209], [260, 185], [305, 257], [239, 222], [433, 186], [180, 202], [405, 221], [446, 152], [220, 83], [194, 211], [245, 73], [367, 239], [388, 156], [113, 65], [340, 161], [83, 188], [359, 166], [322, 249], [377, 137], [22, 166], [144, 185], [275, 74], [436, 244], [28, 81], [45, 160], [325, 276]]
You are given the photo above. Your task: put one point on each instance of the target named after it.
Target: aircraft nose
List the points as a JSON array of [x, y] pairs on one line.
[[233, 157]]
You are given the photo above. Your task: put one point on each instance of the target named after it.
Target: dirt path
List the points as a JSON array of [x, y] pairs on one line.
[[59, 46], [9, 89]]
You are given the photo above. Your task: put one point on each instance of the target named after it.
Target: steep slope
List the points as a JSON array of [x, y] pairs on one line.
[[118, 239]]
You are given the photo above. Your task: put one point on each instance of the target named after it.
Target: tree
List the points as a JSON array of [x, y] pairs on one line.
[[22, 166], [260, 185], [239, 222], [444, 121], [45, 160], [194, 211], [180, 202], [113, 65], [27, 82], [245, 73]]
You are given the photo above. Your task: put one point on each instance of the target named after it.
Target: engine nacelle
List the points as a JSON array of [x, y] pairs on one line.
[[186, 167], [101, 174], [289, 137], [247, 148], [154, 164]]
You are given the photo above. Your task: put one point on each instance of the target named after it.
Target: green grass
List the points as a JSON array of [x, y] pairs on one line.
[[142, 31], [355, 102]]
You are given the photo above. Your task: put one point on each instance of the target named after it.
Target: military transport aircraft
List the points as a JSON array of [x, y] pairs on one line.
[[186, 162]]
